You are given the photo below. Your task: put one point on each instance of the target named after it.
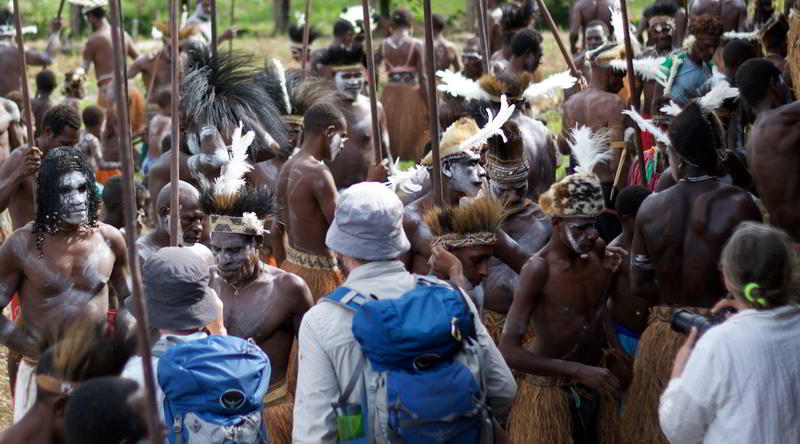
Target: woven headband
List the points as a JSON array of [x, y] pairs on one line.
[[342, 68], [249, 225], [507, 172], [457, 240]]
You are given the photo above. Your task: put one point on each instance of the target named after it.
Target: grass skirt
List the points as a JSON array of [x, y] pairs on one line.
[[320, 273], [540, 413], [278, 415], [651, 373], [406, 120], [494, 322]]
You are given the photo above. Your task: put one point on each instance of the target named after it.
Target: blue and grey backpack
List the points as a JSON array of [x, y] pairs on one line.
[[421, 368], [214, 389]]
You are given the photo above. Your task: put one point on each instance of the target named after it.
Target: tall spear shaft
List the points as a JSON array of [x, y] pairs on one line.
[[306, 33], [632, 88], [23, 72], [433, 109], [233, 21], [550, 24], [373, 100], [174, 171], [143, 325], [214, 28], [483, 35]]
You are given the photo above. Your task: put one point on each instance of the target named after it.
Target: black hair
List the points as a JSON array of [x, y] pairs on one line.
[[48, 205], [595, 23], [59, 117], [526, 41], [401, 18], [220, 91], [112, 192], [515, 18], [438, 22], [705, 24], [660, 9], [338, 56], [630, 199], [164, 99], [320, 116], [342, 27], [99, 412], [694, 137], [737, 52], [296, 31], [166, 143], [46, 81], [93, 115], [258, 199], [753, 79], [97, 12]]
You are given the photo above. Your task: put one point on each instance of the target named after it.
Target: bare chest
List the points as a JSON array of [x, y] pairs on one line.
[[254, 312]]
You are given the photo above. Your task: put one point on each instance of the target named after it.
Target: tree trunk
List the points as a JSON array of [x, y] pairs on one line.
[[281, 9]]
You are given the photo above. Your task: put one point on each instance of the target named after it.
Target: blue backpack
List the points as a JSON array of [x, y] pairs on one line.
[[214, 389], [421, 368]]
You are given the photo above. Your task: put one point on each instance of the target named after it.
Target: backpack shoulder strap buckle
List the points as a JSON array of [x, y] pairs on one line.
[[347, 298]]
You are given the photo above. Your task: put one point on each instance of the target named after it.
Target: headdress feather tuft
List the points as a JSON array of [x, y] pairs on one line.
[[232, 177], [718, 94], [646, 125], [409, 181], [648, 68], [590, 148], [734, 35], [493, 128], [455, 84], [559, 81], [281, 74]]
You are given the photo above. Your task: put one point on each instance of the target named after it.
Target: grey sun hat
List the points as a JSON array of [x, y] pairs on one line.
[[368, 223], [176, 290]]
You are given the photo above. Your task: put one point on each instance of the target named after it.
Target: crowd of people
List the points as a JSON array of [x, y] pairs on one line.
[[630, 279]]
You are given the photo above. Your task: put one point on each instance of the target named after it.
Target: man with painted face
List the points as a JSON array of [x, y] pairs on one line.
[[554, 329], [660, 31], [62, 264], [508, 169], [62, 126], [599, 108], [260, 302], [358, 156], [688, 71], [307, 197], [471, 59], [678, 240]]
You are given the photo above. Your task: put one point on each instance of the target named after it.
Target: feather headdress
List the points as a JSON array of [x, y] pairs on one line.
[[219, 91], [735, 35], [619, 32], [671, 109], [506, 162], [718, 94], [493, 128], [280, 74], [648, 68], [355, 15], [236, 166], [646, 125], [409, 181], [455, 84], [550, 85], [590, 148], [468, 225]]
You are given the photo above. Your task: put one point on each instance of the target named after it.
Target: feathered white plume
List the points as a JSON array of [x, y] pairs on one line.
[[648, 68], [671, 109], [717, 76], [718, 94], [492, 128], [689, 41], [455, 84], [354, 13], [550, 85], [646, 125], [300, 18], [589, 148], [733, 35], [232, 177], [251, 221], [409, 181], [281, 73], [619, 32]]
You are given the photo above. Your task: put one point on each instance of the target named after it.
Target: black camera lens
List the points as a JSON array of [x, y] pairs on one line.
[[683, 321]]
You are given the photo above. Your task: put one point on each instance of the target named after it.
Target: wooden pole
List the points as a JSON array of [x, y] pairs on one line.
[[60, 9], [23, 72], [233, 21], [433, 109], [483, 36], [373, 99], [143, 325], [214, 28], [306, 33], [550, 24], [632, 89], [175, 165]]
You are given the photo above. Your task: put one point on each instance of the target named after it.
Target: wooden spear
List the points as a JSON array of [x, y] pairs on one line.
[[633, 91], [143, 326], [175, 165], [214, 28], [60, 9], [550, 24], [23, 72], [433, 109], [377, 142], [306, 33], [483, 35], [233, 21]]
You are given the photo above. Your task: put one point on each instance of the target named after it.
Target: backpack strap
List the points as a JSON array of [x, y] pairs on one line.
[[347, 298]]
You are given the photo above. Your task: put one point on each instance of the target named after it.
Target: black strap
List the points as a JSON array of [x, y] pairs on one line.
[[351, 384]]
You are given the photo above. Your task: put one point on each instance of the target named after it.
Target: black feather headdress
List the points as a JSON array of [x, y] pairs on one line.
[[341, 57], [243, 212]]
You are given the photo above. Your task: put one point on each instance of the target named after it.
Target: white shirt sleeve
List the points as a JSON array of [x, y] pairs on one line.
[[317, 388]]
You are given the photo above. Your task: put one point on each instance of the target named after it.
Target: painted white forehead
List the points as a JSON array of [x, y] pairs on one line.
[[72, 178]]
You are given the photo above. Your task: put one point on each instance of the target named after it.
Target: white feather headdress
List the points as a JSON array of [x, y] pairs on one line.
[[232, 177], [355, 13], [648, 68], [734, 35], [619, 32], [550, 85], [671, 109], [281, 73], [455, 84], [646, 125], [409, 181], [590, 148], [720, 92], [494, 127]]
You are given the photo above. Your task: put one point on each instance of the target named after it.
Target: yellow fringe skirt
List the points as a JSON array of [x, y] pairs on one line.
[[278, 414], [320, 273], [406, 120]]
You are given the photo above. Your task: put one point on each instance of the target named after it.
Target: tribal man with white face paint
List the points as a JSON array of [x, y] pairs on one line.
[[61, 265], [358, 157], [462, 176]]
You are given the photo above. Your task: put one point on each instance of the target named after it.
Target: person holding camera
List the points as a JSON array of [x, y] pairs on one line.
[[740, 381]]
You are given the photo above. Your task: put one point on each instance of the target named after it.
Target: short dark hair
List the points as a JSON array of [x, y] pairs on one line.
[[97, 12], [737, 52], [46, 81], [599, 23], [112, 192], [320, 116], [705, 24], [401, 17], [166, 143], [164, 99], [342, 27], [93, 115], [695, 137], [753, 79], [60, 116], [438, 22], [526, 41], [630, 199], [99, 412]]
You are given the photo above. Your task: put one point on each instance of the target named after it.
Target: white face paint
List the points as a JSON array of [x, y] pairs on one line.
[[466, 174], [74, 198], [336, 144], [349, 83]]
